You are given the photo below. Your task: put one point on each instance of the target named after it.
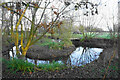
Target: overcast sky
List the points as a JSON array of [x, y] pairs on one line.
[[107, 9]]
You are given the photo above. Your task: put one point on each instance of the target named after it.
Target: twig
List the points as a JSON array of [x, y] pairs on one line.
[[51, 26], [37, 69], [109, 64]]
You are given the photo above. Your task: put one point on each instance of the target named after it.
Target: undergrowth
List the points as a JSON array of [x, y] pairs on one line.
[[51, 44], [52, 66], [24, 66], [18, 65], [112, 69], [56, 45]]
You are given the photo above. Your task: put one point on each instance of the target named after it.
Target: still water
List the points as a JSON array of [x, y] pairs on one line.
[[80, 56]]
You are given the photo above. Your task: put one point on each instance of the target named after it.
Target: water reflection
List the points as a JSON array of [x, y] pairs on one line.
[[37, 62], [80, 56], [12, 53], [83, 56]]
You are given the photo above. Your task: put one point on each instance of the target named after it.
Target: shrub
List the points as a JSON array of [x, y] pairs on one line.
[[65, 33]]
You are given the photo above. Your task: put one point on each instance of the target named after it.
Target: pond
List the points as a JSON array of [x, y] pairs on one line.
[[79, 57]]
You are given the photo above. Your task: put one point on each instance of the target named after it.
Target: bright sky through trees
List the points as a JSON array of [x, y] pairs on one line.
[[107, 10]]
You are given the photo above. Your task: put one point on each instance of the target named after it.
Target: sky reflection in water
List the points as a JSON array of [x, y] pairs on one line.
[[80, 56]]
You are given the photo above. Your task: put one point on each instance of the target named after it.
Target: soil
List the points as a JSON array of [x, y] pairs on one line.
[[95, 69], [95, 42], [44, 53]]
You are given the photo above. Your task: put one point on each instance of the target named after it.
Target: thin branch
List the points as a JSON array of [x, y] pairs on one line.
[[51, 26], [109, 63], [40, 19], [43, 13], [20, 15]]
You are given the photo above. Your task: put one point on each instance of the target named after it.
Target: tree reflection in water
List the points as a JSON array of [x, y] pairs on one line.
[[82, 56]]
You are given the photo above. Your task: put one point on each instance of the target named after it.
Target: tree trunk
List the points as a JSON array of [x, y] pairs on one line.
[[3, 15], [119, 33]]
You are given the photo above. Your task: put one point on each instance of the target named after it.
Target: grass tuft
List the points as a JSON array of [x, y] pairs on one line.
[[24, 66], [19, 65], [52, 66]]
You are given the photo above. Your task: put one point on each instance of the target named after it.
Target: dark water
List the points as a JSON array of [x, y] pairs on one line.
[[80, 56]]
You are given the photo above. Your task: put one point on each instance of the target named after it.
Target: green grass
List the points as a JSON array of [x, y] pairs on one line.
[[59, 45], [56, 45], [45, 41], [24, 66], [77, 35], [89, 35], [52, 66], [48, 34], [50, 43], [53, 45], [112, 67], [105, 35], [19, 65]]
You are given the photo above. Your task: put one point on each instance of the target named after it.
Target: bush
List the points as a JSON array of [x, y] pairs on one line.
[[65, 33]]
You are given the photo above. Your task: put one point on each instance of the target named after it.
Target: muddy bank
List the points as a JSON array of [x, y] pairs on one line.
[[95, 69], [107, 53], [44, 53], [95, 42]]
